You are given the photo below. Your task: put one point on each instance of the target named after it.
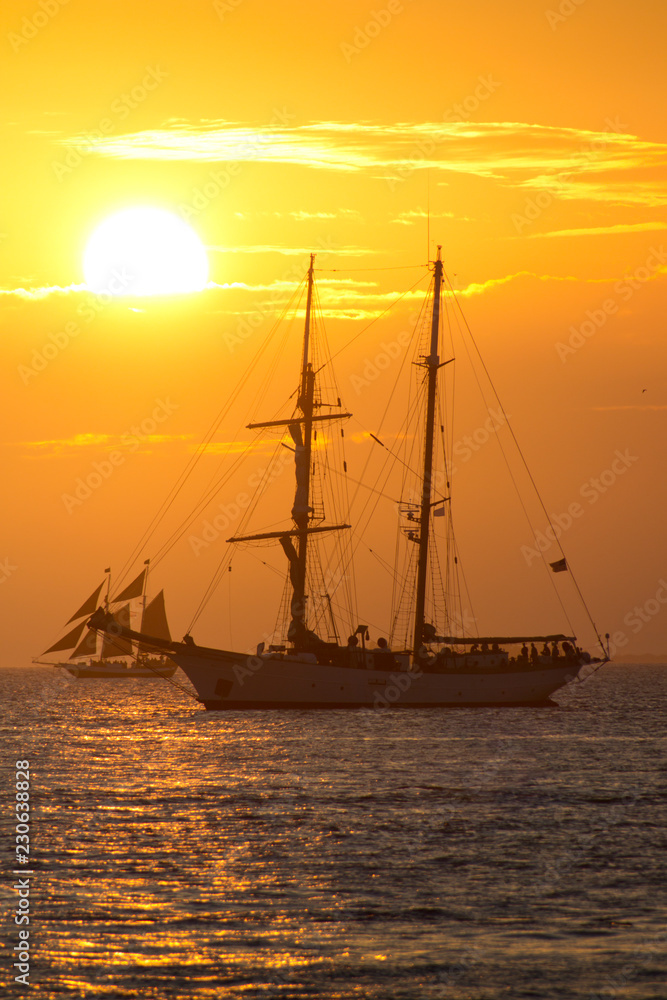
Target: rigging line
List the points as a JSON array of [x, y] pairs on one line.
[[523, 459], [358, 482], [386, 566], [274, 569], [375, 320], [228, 555], [397, 458], [397, 267], [204, 501], [385, 472], [217, 481], [258, 394], [208, 593], [207, 498], [181, 687], [339, 497], [399, 374], [220, 572], [374, 507], [460, 570], [193, 461], [169, 680], [509, 469]]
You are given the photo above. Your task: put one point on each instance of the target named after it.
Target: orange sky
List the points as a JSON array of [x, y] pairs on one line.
[[275, 129]]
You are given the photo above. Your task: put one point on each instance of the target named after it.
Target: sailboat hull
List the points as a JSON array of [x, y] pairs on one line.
[[102, 670], [227, 681]]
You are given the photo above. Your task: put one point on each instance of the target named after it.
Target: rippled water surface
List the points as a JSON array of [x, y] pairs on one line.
[[461, 853]]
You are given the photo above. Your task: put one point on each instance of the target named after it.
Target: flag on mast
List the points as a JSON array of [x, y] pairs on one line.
[[560, 566]]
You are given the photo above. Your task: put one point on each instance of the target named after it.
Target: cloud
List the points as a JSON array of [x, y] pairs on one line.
[[339, 297], [609, 165], [302, 216], [628, 227], [411, 217], [72, 445], [291, 251], [648, 406], [43, 292]]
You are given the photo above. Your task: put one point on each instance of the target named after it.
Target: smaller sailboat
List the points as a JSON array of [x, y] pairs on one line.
[[116, 655]]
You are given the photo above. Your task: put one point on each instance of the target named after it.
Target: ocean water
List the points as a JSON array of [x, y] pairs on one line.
[[468, 854]]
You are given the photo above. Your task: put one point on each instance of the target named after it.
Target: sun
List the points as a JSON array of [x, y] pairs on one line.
[[145, 251]]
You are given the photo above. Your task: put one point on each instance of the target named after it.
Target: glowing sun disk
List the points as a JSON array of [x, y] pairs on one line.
[[145, 251]]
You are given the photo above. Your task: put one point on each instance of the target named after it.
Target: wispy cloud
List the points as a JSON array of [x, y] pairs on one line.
[[412, 216], [78, 442], [629, 227], [290, 251], [636, 406], [43, 292], [303, 216], [573, 163], [340, 298], [300, 216]]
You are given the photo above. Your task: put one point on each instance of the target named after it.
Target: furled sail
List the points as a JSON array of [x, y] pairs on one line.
[[154, 622], [86, 608], [134, 589], [68, 641], [290, 552], [301, 463], [115, 645]]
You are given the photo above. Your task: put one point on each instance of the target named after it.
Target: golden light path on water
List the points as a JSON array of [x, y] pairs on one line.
[[467, 853]]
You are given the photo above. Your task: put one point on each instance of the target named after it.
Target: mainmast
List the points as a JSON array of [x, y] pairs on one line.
[[432, 364]]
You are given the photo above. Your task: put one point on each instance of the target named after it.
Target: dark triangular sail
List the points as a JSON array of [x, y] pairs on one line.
[[87, 607], [134, 589], [154, 622], [68, 641], [87, 646]]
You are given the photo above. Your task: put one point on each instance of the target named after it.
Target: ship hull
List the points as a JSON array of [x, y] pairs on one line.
[[106, 672], [227, 681]]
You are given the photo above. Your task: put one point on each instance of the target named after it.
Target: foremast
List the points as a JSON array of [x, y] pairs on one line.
[[301, 509], [300, 427], [432, 365]]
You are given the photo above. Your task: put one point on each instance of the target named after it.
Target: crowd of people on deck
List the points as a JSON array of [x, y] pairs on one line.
[[384, 659]]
